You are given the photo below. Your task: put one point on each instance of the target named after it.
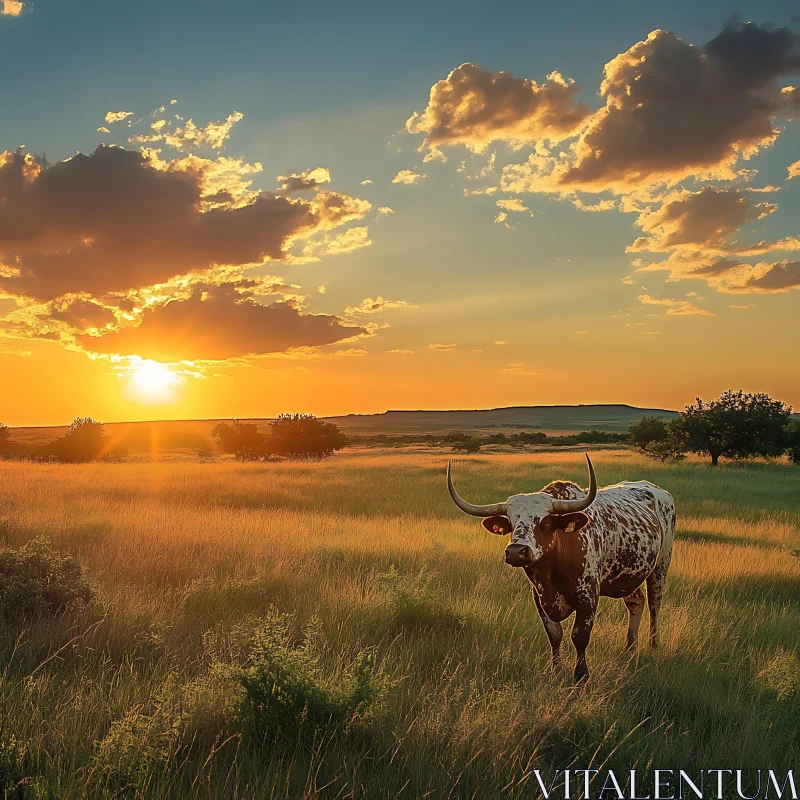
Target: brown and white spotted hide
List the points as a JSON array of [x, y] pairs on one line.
[[623, 541]]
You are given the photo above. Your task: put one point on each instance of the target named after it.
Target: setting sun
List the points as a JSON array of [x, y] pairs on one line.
[[153, 383]]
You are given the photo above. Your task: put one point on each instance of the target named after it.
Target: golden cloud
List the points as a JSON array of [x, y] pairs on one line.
[[118, 220], [673, 111], [220, 322], [474, 107]]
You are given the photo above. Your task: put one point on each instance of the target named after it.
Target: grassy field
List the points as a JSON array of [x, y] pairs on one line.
[[140, 694]]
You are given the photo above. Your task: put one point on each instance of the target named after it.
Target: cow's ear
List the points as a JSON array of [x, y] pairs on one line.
[[571, 522], [499, 525]]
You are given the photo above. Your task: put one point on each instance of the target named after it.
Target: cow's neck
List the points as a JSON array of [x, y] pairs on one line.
[[552, 574]]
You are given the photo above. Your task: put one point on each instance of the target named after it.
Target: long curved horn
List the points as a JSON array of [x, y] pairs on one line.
[[565, 506], [476, 511]]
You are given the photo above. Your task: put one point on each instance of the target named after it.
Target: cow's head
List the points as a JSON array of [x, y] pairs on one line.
[[533, 520]]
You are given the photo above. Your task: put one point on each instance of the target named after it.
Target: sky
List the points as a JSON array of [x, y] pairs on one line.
[[217, 210]]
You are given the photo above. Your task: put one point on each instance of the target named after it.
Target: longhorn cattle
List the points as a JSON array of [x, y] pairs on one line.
[[572, 559]]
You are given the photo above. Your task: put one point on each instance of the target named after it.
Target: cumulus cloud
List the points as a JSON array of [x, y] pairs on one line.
[[475, 107], [794, 170], [783, 276], [117, 116], [675, 308], [700, 220], [220, 322], [673, 111], [373, 306], [117, 220], [408, 176], [309, 179]]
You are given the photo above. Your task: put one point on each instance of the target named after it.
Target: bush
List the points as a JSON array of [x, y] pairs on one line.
[[240, 438], [86, 440], [35, 581], [288, 693], [468, 445], [414, 601], [186, 717], [15, 770], [304, 436]]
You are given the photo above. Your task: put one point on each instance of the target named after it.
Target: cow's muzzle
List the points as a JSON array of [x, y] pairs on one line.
[[519, 555]]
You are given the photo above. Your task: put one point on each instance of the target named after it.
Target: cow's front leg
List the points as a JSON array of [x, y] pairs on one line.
[[582, 632], [555, 633]]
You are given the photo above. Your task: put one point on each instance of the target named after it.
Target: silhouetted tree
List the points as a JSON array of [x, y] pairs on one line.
[[304, 436], [468, 445], [793, 443], [657, 437], [86, 440], [5, 435], [737, 425], [240, 438]]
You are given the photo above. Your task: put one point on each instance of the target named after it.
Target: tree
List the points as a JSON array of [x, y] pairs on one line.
[[304, 436], [240, 438], [737, 425], [657, 437], [468, 445], [86, 440], [793, 443], [5, 435]]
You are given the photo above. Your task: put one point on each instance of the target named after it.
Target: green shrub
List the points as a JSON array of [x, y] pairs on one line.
[[14, 783], [414, 601], [186, 717], [35, 580], [287, 691], [782, 676]]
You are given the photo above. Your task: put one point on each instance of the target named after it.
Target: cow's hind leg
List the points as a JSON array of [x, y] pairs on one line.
[[555, 633], [656, 582], [634, 602]]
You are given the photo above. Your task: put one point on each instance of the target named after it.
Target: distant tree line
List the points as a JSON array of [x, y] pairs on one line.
[[289, 436], [472, 443], [735, 426]]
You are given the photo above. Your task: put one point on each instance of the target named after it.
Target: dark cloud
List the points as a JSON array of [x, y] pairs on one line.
[[700, 219], [81, 314], [117, 220], [475, 107], [771, 278], [673, 111], [220, 322], [715, 269]]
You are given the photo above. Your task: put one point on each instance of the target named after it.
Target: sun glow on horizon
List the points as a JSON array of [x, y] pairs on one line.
[[153, 383]]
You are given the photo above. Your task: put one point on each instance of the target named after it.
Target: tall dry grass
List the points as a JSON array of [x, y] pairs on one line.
[[132, 695]]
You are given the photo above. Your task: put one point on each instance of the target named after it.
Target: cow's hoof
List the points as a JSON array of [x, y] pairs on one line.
[[580, 678]]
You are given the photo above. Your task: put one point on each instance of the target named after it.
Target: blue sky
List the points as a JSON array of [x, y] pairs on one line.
[[332, 85]]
